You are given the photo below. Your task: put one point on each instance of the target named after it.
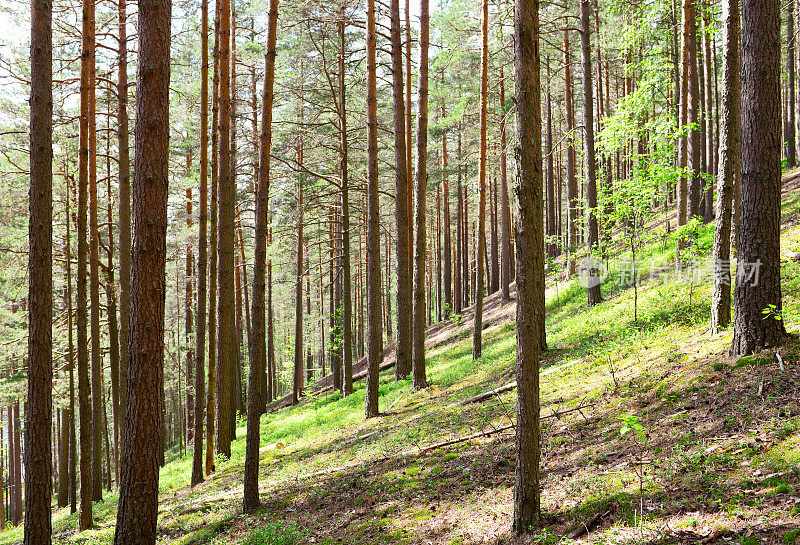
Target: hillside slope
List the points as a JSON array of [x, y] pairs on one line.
[[718, 459]]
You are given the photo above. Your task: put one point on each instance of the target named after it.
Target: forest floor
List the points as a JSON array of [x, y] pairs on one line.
[[717, 459]]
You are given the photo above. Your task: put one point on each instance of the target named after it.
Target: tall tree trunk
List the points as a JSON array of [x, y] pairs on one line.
[[448, 245], [572, 184], [138, 498], [594, 296], [373, 227], [124, 207], [297, 375], [477, 331], [458, 285], [73, 447], [202, 257], [258, 346], [530, 260], [708, 198], [226, 317], [347, 300], [211, 402], [84, 391], [420, 188], [94, 277], [39, 413], [791, 143], [17, 461], [729, 167], [759, 234], [189, 321], [549, 174], [401, 210], [113, 327], [505, 207], [409, 168], [692, 108]]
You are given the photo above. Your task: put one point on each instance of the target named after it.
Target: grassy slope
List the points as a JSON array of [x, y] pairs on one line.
[[719, 459]]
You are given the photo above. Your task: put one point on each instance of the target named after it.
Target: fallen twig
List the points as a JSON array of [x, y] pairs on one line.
[[588, 525]]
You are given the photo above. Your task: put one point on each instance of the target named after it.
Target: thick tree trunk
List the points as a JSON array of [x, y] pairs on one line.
[[258, 345], [729, 167], [226, 313], [138, 498], [373, 234], [594, 294], [420, 189], [477, 330], [39, 413], [401, 210], [758, 280], [530, 261]]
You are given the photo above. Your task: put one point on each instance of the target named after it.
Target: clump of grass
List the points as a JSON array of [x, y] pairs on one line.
[[275, 534]]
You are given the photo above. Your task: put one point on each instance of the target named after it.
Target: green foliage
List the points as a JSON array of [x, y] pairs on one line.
[[275, 534]]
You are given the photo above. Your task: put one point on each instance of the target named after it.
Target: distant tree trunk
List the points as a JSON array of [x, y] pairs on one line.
[[549, 173], [759, 235], [572, 184], [692, 108], [347, 300], [226, 317], [409, 170], [477, 331], [595, 295], [73, 447], [189, 320], [17, 461], [448, 245], [505, 208], [297, 376], [458, 296], [495, 261], [124, 208], [729, 166], [708, 213], [258, 345], [39, 413], [530, 259], [420, 189], [791, 143], [113, 327], [373, 234], [202, 257], [84, 391]]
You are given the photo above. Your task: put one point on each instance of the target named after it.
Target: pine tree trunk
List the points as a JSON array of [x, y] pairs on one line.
[[572, 184], [759, 235], [791, 143], [448, 245], [297, 375], [347, 300], [258, 345], [594, 295], [530, 260], [39, 412], [138, 498], [373, 234], [477, 331], [226, 317], [729, 159], [113, 326], [420, 188], [84, 391], [505, 207]]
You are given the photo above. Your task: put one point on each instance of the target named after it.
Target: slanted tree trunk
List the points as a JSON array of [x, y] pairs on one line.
[[258, 345], [529, 238], [39, 413], [226, 313], [729, 167], [420, 188], [373, 234], [477, 331], [594, 295], [759, 231]]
